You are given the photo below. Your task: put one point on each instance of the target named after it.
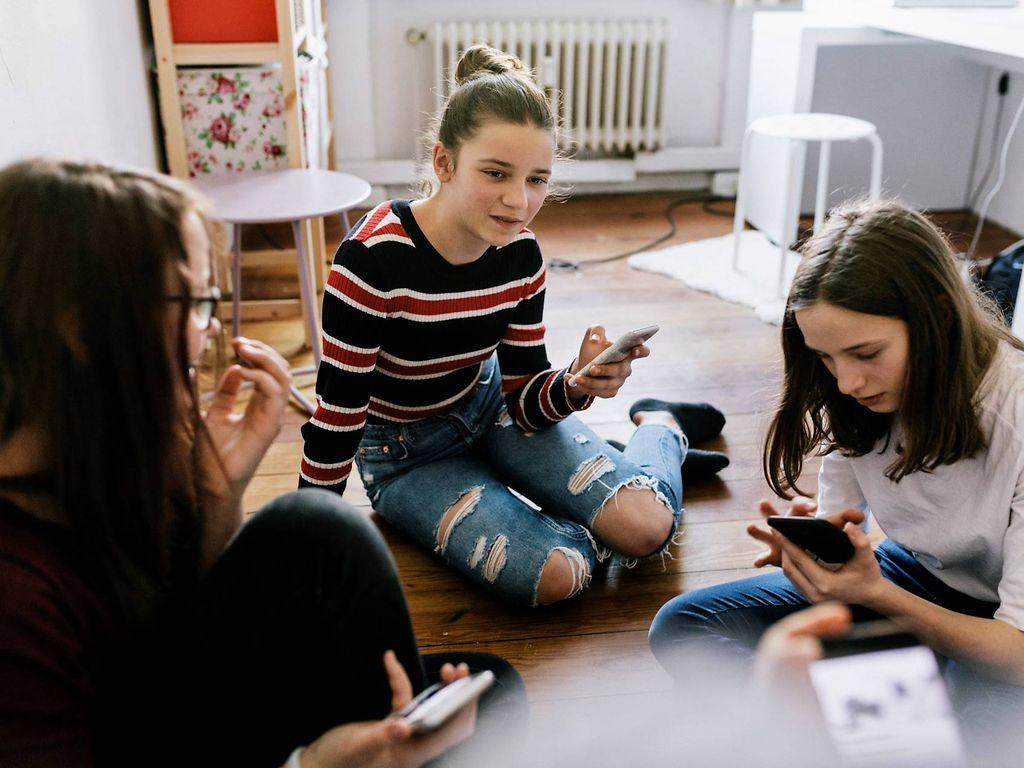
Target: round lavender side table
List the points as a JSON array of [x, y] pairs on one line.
[[291, 195]]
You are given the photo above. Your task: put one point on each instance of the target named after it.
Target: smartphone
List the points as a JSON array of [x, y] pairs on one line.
[[434, 706], [818, 536], [884, 699], [618, 351]]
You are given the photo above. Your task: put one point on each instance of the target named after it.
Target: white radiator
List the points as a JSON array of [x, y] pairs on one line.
[[605, 78]]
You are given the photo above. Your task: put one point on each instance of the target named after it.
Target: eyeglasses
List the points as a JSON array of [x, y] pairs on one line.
[[203, 307]]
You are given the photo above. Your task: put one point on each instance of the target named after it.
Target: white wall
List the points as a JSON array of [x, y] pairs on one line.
[[382, 85], [74, 82], [926, 115]]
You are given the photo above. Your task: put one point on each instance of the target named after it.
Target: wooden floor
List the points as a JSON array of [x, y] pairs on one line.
[[707, 350]]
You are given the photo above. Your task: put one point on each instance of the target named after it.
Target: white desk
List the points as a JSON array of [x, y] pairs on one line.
[[994, 35], [951, 49]]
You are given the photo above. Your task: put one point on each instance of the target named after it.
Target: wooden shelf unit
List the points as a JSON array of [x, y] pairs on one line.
[[293, 36]]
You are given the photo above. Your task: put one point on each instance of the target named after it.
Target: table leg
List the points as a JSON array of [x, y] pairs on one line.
[[876, 166], [821, 195], [739, 220], [309, 310], [791, 210], [236, 280], [318, 258]]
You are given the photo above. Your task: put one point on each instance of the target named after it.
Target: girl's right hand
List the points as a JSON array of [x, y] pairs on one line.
[[240, 440], [801, 507], [391, 742]]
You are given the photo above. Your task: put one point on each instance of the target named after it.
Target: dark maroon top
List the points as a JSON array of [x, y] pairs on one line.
[[51, 627]]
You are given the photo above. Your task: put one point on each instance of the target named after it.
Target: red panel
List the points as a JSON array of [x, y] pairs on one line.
[[223, 21]]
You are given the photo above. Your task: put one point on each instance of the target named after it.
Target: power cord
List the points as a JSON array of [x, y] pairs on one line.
[[726, 213], [999, 180], [973, 194], [564, 265]]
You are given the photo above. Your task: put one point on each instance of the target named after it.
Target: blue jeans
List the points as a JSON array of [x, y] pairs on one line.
[[731, 618], [734, 615], [474, 456]]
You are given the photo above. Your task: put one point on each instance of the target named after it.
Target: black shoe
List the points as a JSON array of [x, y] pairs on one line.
[[702, 465], [697, 465], [700, 422]]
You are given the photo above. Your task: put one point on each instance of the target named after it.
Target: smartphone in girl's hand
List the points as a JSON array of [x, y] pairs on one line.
[[618, 351], [885, 700], [433, 707], [818, 536]]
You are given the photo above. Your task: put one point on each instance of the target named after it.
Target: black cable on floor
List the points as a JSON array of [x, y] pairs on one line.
[[564, 265], [727, 213]]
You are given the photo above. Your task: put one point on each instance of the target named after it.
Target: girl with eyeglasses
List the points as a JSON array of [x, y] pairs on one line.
[[143, 620]]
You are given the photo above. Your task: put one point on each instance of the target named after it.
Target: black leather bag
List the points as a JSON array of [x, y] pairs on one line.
[[1002, 278]]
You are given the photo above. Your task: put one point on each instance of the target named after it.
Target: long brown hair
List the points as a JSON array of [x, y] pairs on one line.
[[88, 256], [883, 258], [488, 85]]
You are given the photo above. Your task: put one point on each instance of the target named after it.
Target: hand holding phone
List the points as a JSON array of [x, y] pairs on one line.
[[392, 742], [800, 507], [618, 351], [434, 706], [884, 699]]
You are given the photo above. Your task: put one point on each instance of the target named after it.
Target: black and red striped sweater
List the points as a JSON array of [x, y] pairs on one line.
[[405, 334]]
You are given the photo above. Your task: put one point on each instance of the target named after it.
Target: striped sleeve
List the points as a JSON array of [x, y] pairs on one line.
[[355, 307], [536, 394]]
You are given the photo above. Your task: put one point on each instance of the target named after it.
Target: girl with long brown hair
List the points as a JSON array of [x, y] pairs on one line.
[[911, 388], [143, 620]]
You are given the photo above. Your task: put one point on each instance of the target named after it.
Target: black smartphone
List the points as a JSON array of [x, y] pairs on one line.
[[884, 699], [825, 541]]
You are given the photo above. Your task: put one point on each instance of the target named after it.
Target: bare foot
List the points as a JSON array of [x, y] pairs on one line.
[[662, 418]]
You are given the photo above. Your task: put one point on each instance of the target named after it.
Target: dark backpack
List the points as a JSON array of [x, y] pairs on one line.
[[1002, 278]]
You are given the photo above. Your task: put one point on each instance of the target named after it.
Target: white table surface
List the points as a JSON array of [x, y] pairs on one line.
[[290, 194]]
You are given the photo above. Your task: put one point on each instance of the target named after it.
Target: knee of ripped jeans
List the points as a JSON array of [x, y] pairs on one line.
[[562, 578], [674, 537]]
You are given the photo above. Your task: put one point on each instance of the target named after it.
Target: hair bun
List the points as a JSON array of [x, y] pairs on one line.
[[484, 58]]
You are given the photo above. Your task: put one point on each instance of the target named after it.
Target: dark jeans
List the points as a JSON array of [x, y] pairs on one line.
[[285, 635], [731, 618]]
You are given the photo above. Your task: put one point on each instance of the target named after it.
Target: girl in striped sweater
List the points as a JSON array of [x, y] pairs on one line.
[[436, 384]]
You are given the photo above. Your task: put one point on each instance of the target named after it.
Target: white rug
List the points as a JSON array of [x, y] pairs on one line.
[[707, 266]]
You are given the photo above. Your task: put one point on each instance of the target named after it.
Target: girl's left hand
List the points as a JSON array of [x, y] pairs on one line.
[[856, 581], [602, 380], [239, 440]]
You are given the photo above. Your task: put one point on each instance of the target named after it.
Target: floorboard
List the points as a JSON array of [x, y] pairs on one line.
[[707, 350]]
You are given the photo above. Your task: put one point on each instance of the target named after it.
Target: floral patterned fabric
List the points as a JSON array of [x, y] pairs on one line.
[[233, 119]]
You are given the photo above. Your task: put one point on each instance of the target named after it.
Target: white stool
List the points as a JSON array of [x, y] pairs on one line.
[[805, 127]]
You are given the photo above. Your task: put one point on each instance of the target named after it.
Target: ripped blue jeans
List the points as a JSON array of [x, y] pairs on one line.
[[520, 496]]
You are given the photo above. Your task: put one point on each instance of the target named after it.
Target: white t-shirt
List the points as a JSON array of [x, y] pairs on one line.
[[964, 522]]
